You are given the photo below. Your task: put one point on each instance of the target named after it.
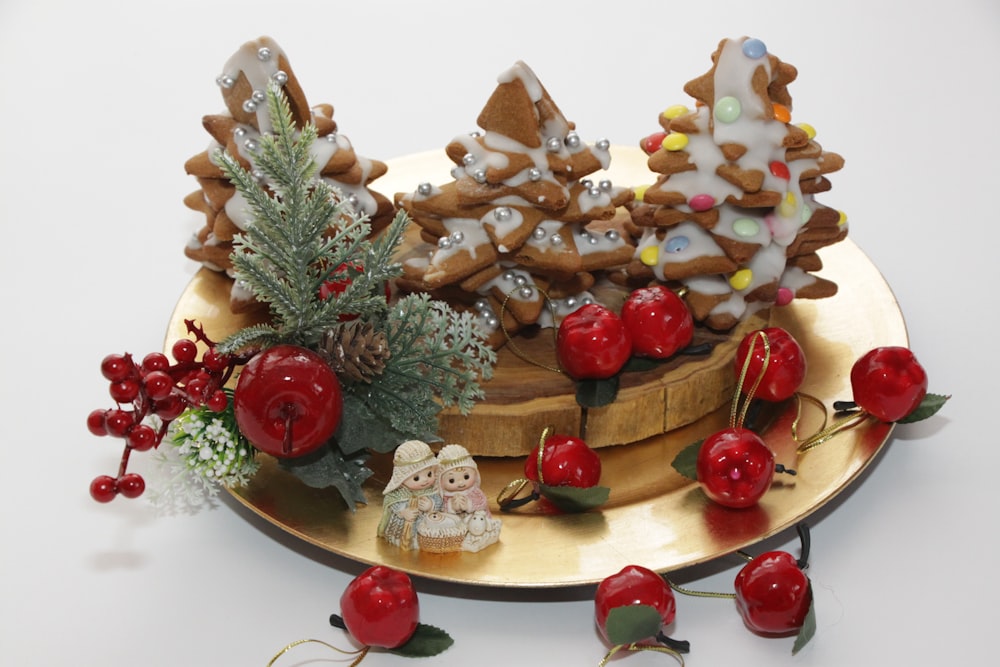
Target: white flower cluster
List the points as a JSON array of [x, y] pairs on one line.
[[213, 447]]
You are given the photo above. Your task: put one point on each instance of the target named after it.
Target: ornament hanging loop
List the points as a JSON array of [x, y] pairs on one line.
[[360, 653], [738, 414], [641, 647], [510, 339]]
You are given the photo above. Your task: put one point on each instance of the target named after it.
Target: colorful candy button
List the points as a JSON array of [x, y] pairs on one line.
[[843, 218], [677, 244], [741, 279], [727, 109], [675, 141], [754, 48], [806, 214], [640, 192], [652, 143], [786, 208], [746, 227], [808, 129], [650, 255], [702, 202], [781, 113], [784, 296], [675, 111], [779, 170]]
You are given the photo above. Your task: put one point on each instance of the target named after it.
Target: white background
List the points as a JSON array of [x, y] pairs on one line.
[[101, 106]]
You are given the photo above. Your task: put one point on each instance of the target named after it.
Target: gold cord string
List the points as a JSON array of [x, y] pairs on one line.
[[361, 653], [854, 420], [510, 340], [799, 397], [738, 415], [511, 491], [700, 594], [641, 647]]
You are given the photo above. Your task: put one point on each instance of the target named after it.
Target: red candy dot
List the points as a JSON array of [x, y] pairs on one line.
[[779, 169], [784, 297], [701, 202], [653, 142]]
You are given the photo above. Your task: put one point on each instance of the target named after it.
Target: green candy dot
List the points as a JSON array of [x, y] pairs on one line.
[[727, 109], [746, 227]]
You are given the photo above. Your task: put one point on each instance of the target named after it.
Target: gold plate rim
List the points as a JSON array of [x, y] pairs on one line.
[[662, 522]]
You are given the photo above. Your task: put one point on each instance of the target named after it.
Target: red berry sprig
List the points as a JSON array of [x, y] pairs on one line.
[[155, 388]]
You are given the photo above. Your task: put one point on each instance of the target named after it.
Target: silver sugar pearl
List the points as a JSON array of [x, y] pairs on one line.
[[475, 133], [259, 175], [555, 239], [534, 174], [526, 292], [468, 159], [258, 96], [586, 182], [520, 280], [573, 140], [538, 233], [250, 145], [424, 189], [594, 192], [553, 145], [444, 243], [612, 235], [604, 184], [332, 137], [603, 144], [225, 81], [250, 106], [280, 77], [263, 54], [457, 237], [570, 302], [508, 275], [481, 305], [240, 132], [352, 200], [492, 322], [502, 214], [479, 175], [586, 301]]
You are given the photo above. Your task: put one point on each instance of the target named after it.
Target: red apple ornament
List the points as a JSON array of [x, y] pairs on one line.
[[632, 607], [773, 594], [380, 608], [784, 371], [288, 401], [566, 461], [592, 343], [658, 321], [735, 468], [888, 382]]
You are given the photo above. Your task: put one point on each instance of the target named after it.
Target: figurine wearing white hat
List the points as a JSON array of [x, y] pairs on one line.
[[411, 492]]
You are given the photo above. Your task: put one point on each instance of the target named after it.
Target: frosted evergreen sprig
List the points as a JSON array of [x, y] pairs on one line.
[[303, 237]]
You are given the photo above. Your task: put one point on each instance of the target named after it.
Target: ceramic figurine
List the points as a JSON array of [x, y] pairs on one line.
[[411, 493], [435, 504]]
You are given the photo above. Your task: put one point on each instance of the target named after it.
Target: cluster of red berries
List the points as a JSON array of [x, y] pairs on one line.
[[594, 342], [154, 388]]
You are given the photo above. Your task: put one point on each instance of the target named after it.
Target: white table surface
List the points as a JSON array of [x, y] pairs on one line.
[[102, 104]]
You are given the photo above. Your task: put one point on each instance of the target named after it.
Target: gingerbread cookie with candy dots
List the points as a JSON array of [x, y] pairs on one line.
[[521, 231], [243, 83], [732, 217]]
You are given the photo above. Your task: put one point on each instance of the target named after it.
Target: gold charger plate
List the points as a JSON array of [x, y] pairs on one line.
[[654, 516]]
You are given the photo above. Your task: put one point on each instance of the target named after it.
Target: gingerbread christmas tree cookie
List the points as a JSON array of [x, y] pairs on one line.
[[521, 231], [243, 84], [732, 217]]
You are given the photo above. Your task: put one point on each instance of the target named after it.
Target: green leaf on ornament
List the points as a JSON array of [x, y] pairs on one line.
[[639, 364], [632, 623], [597, 393], [927, 408], [686, 461], [328, 467], [361, 428], [427, 641], [808, 628], [573, 499]]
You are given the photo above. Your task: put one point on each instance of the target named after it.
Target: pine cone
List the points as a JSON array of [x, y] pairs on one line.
[[355, 350]]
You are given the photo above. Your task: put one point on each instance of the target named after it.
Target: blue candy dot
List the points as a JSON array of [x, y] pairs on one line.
[[754, 48], [677, 244]]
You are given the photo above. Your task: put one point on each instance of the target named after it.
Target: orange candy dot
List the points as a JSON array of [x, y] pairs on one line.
[[781, 113]]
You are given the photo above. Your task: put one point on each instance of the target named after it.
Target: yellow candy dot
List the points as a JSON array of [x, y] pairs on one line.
[[650, 255], [675, 141], [808, 129], [741, 279], [781, 113], [675, 111], [843, 218], [786, 208], [640, 192]]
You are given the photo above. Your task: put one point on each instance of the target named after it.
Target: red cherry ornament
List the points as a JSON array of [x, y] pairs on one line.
[[380, 608], [633, 585], [735, 468], [566, 461], [773, 594], [593, 343], [888, 382], [287, 401], [785, 369], [658, 321]]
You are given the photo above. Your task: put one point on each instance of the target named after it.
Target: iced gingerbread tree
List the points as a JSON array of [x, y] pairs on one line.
[[244, 82], [732, 217], [521, 232]]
